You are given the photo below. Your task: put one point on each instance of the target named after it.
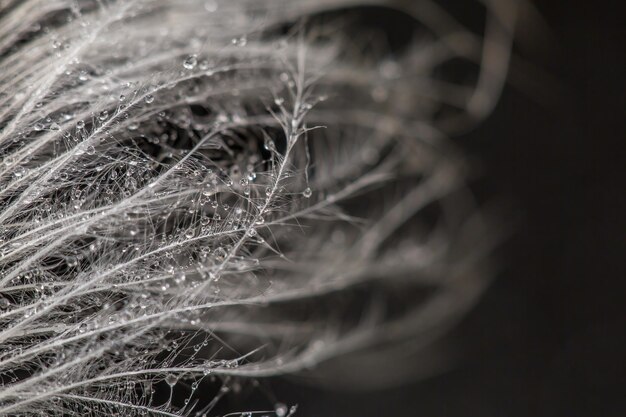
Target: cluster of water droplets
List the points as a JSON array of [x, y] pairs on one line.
[[168, 194]]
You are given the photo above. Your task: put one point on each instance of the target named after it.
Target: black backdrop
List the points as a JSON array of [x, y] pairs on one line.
[[548, 338]]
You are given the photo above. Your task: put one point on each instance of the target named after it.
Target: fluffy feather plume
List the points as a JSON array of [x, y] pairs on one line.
[[198, 191]]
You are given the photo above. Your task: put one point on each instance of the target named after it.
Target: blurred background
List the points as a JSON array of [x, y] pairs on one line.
[[548, 337]]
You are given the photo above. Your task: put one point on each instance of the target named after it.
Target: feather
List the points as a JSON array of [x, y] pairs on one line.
[[199, 191]]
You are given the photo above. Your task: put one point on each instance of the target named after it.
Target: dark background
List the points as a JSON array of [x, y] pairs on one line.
[[548, 338]]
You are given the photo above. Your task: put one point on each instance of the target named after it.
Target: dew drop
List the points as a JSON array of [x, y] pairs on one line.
[[149, 98], [280, 409], [179, 277], [307, 193], [82, 328], [190, 62], [269, 145], [171, 380], [241, 41]]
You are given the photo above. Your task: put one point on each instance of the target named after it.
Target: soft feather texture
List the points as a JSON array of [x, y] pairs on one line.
[[221, 190]]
